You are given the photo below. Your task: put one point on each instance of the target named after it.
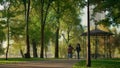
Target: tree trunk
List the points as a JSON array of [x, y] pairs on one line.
[[8, 41], [56, 44], [42, 42], [34, 49], [68, 34], [8, 35], [46, 52], [43, 20], [57, 32], [42, 30], [27, 55], [21, 52]]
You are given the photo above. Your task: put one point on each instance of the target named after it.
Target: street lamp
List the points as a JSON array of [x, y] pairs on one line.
[[88, 63]]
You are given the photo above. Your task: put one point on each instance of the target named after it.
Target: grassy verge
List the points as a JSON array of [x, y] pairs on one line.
[[99, 63], [22, 60], [18, 60]]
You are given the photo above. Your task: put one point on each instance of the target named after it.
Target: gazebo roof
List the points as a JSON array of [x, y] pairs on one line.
[[97, 32]]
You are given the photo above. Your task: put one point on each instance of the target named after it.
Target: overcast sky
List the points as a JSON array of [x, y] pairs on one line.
[[84, 17], [1, 7]]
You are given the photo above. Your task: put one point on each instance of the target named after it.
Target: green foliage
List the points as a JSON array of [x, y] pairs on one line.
[[34, 29], [2, 24], [62, 47], [69, 16], [112, 9], [2, 37], [100, 63], [1, 50]]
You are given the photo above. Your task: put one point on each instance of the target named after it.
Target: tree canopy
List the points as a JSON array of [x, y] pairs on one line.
[[39, 28], [110, 8]]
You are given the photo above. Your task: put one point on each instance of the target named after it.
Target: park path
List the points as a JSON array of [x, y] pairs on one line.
[[58, 63]]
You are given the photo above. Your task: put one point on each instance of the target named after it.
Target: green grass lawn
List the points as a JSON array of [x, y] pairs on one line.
[[99, 63], [16, 60]]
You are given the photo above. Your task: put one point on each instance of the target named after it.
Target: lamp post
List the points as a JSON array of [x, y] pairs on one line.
[[88, 63]]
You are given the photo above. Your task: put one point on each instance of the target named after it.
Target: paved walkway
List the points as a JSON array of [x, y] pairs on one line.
[[59, 63]]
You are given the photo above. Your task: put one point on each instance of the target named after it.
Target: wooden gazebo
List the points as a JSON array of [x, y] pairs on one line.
[[97, 32]]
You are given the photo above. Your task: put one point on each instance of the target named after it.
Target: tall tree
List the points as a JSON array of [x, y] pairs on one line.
[[44, 12], [27, 31], [17, 25], [7, 8], [27, 10], [64, 10], [8, 14], [57, 31]]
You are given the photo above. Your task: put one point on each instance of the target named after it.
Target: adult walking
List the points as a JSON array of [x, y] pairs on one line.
[[78, 49], [70, 50]]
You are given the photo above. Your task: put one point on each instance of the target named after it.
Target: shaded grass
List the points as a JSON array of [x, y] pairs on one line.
[[99, 63], [22, 60], [18, 60]]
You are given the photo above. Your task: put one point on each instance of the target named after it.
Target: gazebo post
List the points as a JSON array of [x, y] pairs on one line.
[[104, 47], [96, 47], [109, 50], [83, 46], [96, 43], [107, 47]]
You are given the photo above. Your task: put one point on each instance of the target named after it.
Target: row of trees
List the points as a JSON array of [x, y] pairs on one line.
[[38, 22]]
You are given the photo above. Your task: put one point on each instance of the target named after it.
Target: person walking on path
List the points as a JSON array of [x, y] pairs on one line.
[[70, 49], [78, 49]]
